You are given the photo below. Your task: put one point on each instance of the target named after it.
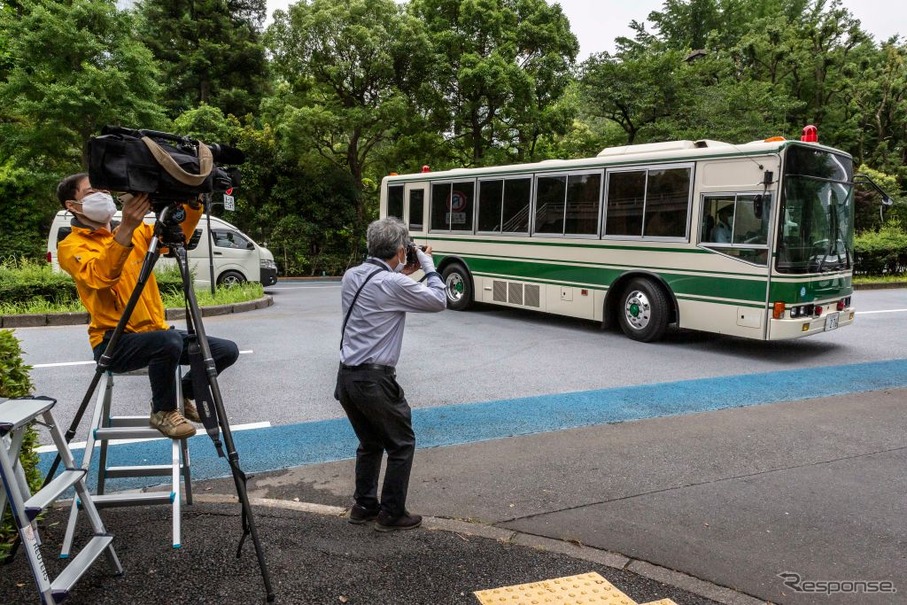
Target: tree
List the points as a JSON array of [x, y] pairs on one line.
[[66, 69], [501, 67], [344, 69], [210, 51]]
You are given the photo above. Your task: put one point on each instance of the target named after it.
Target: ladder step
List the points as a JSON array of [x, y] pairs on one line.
[[52, 491], [124, 421], [134, 499], [16, 413], [61, 586], [147, 470], [146, 432]]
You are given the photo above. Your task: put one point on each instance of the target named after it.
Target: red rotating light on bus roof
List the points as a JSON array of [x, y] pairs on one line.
[[810, 134], [425, 168]]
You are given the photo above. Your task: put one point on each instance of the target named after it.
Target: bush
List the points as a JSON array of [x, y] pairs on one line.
[[882, 252], [16, 382], [23, 280]]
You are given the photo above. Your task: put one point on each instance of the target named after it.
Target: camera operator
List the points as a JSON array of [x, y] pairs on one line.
[[105, 260], [375, 298]]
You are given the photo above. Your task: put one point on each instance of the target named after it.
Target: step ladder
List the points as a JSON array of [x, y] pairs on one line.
[[105, 428], [15, 416]]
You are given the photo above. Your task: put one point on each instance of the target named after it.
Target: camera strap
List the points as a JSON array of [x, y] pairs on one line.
[[205, 163], [355, 298]]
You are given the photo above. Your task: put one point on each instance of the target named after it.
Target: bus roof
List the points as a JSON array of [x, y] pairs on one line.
[[669, 151]]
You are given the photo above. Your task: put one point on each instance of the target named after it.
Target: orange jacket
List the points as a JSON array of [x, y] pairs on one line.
[[106, 273]]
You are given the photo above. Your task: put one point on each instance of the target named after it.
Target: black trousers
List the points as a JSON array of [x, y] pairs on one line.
[[382, 420], [161, 351]]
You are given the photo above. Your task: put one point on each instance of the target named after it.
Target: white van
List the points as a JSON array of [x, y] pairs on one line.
[[237, 258]]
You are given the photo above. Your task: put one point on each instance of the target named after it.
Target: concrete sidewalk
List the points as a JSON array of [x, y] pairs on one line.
[[726, 499]]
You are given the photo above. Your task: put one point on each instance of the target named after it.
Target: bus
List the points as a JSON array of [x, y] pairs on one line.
[[752, 240]]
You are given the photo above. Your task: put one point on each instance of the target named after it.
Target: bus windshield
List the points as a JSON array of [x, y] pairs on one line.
[[817, 210]]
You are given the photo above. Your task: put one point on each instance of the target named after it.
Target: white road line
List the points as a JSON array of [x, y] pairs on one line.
[[64, 364], [80, 445], [877, 312]]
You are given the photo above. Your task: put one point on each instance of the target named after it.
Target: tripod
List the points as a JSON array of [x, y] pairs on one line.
[[167, 232]]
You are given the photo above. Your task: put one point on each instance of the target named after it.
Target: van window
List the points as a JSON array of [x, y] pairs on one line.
[[231, 239], [62, 233]]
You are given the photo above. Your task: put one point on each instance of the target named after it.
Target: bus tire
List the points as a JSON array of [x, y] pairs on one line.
[[458, 287], [231, 278], [643, 311]]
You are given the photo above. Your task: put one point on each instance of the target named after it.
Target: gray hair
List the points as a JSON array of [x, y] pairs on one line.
[[385, 237]]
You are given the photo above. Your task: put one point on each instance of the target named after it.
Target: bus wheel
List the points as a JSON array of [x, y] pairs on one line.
[[644, 311], [458, 286]]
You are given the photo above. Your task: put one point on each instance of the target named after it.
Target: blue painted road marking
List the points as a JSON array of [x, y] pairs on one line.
[[285, 446]]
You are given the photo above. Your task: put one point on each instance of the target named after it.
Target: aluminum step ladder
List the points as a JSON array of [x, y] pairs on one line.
[[105, 428], [15, 416]]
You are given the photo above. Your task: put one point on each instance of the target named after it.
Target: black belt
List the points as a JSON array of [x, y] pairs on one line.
[[374, 367]]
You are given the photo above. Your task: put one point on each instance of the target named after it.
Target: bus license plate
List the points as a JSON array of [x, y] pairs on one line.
[[831, 321]]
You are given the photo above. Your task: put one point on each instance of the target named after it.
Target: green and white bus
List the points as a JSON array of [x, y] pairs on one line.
[[751, 240]]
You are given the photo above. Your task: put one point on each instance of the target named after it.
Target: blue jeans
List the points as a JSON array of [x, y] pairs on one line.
[[161, 351]]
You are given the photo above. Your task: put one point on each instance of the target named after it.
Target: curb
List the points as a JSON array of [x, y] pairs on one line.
[[39, 320], [703, 588]]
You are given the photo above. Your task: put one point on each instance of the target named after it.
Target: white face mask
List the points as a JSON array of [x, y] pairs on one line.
[[98, 207], [400, 264]]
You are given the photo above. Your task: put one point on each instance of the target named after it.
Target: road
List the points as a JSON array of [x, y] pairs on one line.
[[285, 374]]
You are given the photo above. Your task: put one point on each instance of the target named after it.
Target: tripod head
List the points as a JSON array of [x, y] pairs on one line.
[[167, 228]]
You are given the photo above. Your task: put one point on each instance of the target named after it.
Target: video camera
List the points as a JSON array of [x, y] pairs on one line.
[[169, 167]]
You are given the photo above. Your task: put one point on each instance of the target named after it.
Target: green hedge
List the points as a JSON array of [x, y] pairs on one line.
[[882, 252], [16, 382], [22, 281]]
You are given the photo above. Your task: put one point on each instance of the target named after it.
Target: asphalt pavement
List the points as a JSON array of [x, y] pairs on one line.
[[699, 508]]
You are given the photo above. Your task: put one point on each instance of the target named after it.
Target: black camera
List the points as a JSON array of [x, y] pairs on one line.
[[412, 258], [168, 167]]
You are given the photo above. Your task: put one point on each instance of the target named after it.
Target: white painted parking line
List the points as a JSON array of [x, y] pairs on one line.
[[877, 312], [80, 445]]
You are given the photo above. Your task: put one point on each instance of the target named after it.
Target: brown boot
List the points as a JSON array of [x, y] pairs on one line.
[[171, 424]]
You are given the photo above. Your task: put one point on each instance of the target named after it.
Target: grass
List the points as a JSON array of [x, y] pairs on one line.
[[224, 295], [880, 279]]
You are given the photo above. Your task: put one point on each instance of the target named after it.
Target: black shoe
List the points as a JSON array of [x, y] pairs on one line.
[[360, 515], [385, 522]]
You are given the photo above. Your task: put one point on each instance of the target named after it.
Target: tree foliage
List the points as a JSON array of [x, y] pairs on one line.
[[501, 68], [210, 52]]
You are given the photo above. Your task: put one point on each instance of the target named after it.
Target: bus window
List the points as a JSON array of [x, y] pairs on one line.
[[395, 201], [416, 209], [452, 206], [549, 204], [737, 225], [667, 202], [491, 194], [626, 200], [583, 196], [515, 211]]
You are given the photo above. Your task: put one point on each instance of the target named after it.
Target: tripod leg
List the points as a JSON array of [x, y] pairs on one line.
[[194, 325]]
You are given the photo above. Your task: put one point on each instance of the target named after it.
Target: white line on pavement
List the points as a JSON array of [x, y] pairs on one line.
[[877, 312], [80, 445]]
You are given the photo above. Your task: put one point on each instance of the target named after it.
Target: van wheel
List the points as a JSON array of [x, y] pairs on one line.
[[643, 311], [458, 285], [231, 278]]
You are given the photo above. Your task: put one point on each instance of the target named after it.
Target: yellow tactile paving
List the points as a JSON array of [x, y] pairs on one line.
[[584, 589]]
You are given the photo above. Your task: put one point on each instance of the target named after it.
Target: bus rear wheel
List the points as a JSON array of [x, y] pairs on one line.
[[458, 286], [643, 311]]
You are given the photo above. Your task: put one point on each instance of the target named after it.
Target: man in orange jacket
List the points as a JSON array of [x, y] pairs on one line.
[[105, 259]]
